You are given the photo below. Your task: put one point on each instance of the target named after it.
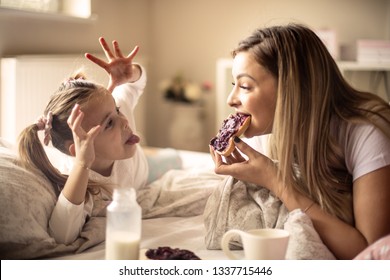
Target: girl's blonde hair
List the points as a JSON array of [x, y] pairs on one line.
[[75, 90], [311, 94]]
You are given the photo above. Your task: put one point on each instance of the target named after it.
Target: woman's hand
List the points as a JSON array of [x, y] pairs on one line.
[[248, 165], [83, 141], [120, 68]]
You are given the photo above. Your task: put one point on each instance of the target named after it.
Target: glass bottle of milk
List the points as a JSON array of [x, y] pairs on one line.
[[123, 230]]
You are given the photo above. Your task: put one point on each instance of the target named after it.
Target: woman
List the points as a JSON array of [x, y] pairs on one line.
[[329, 143]]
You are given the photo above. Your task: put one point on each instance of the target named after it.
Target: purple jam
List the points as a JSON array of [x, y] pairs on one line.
[[168, 253], [230, 126]]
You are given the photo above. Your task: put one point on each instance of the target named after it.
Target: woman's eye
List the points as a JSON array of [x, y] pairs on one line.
[[118, 110], [245, 87]]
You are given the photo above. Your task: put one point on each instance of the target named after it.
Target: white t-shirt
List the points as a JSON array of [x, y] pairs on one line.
[[365, 147], [68, 219]]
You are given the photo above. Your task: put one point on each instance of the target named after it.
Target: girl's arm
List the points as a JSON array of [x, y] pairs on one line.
[[68, 216], [120, 68]]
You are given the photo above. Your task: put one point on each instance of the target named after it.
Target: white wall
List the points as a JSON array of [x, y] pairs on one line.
[[189, 36]]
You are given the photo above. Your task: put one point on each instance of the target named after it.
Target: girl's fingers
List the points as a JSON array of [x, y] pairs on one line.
[[75, 119], [133, 53], [117, 50], [96, 60], [94, 131], [73, 115], [77, 129], [106, 48]]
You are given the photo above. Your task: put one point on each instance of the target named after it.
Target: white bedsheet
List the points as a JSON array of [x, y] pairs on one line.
[[184, 233], [176, 232]]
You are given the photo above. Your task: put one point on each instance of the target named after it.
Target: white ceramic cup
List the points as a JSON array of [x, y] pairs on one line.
[[258, 244]]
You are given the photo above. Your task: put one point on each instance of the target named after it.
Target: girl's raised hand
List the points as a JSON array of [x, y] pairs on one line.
[[120, 68]]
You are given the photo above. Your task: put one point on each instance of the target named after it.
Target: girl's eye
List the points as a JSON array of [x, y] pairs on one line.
[[109, 124], [118, 110]]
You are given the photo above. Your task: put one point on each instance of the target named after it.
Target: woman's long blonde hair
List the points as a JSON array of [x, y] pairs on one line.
[[311, 94], [75, 90]]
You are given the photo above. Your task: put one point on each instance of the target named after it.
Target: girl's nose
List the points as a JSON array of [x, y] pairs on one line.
[[125, 124]]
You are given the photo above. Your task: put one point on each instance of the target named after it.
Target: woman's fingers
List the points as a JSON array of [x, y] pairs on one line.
[[244, 148], [238, 156]]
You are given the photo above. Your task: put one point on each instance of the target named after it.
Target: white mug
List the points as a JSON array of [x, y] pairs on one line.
[[258, 244]]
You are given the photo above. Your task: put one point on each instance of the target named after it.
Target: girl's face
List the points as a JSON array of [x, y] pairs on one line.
[[116, 140], [254, 93]]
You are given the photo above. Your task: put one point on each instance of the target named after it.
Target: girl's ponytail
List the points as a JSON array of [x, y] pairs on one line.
[[33, 157]]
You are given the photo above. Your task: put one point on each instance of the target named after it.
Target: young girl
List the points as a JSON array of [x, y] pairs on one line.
[[96, 126], [336, 136]]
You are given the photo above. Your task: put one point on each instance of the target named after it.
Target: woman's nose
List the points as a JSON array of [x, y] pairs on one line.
[[233, 99]]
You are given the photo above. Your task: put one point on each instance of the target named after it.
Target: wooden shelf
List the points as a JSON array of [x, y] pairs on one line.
[[50, 16], [363, 66], [383, 68]]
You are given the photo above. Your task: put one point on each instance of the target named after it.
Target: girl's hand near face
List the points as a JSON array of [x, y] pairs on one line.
[[257, 168], [120, 68], [83, 141], [83, 149]]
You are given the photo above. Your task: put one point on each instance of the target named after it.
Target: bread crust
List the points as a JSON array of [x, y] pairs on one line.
[[230, 147]]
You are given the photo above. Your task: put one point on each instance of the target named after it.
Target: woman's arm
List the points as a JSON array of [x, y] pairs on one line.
[[371, 201], [371, 204]]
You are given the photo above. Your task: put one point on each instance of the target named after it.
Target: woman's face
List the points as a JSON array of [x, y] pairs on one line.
[[254, 93], [115, 140]]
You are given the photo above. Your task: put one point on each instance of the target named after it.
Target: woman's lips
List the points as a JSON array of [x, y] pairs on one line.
[[133, 139]]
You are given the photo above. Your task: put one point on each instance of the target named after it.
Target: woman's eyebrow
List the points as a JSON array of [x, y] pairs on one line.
[[245, 75]]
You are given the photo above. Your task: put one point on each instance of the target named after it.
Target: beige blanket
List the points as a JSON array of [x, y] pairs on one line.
[[178, 193], [238, 205], [27, 200]]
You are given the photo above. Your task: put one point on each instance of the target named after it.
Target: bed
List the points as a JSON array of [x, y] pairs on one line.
[[176, 232], [23, 224], [185, 205]]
